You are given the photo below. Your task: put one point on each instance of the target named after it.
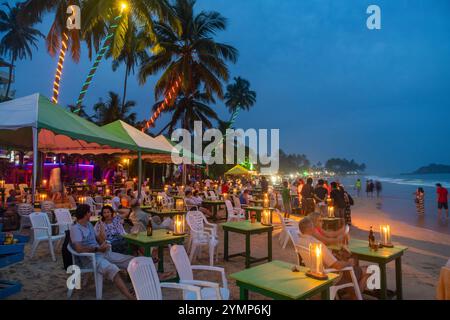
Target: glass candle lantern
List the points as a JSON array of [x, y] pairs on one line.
[[179, 225], [385, 233], [266, 218], [166, 188], [235, 191], [159, 200], [225, 196], [44, 183], [105, 181], [331, 212], [316, 262], [179, 204], [108, 192], [134, 180], [123, 180], [2, 183], [84, 181]]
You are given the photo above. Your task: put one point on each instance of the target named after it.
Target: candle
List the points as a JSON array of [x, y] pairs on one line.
[[134, 180], [123, 180], [2, 183], [84, 181], [179, 204], [105, 181], [330, 212], [44, 183], [179, 224], [316, 260], [265, 218], [108, 192], [385, 231]]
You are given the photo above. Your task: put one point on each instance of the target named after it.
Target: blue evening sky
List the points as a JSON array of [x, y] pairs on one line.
[[333, 87]]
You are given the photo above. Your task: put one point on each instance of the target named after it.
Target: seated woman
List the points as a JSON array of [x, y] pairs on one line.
[[193, 200], [110, 228], [245, 197], [326, 236]]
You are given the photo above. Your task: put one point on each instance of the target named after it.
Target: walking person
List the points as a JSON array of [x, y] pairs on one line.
[[420, 201], [348, 203], [378, 188], [367, 187], [442, 198], [371, 188], [358, 187], [337, 195], [308, 204], [321, 195]]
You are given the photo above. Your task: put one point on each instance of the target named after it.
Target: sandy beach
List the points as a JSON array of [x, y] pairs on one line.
[[428, 252]]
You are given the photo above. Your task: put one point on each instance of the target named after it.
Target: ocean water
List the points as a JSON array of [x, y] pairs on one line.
[[397, 197]]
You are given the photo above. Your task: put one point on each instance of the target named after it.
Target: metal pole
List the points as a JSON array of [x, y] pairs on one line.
[[35, 162], [139, 174]]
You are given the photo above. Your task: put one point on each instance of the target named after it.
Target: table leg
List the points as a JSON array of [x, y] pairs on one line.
[[247, 251], [246, 215], [383, 289], [147, 251], [161, 259], [325, 294], [269, 245], [243, 294], [225, 245], [398, 278]]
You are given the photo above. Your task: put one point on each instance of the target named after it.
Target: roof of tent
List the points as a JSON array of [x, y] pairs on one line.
[[142, 141], [59, 129], [237, 170]]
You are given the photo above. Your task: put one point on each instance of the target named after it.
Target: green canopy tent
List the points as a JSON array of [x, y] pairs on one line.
[[237, 170], [34, 123]]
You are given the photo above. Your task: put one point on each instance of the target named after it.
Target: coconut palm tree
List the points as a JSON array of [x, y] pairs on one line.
[[18, 39], [190, 54], [133, 53], [113, 110], [239, 97], [188, 109]]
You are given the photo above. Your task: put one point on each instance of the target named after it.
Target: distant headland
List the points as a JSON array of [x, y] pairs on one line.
[[431, 169]]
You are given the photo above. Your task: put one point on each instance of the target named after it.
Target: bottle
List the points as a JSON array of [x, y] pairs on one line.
[[149, 229], [371, 238]]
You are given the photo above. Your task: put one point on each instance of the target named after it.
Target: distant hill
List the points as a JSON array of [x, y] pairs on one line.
[[432, 169]]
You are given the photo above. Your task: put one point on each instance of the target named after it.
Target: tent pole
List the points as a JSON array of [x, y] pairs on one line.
[[35, 163], [184, 174], [139, 175]]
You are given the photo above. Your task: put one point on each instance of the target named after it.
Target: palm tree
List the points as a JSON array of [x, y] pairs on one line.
[[19, 37], [80, 111], [190, 54], [113, 110], [188, 109], [133, 53], [239, 96]]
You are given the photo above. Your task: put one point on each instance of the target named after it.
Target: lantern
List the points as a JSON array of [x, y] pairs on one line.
[[179, 225], [159, 200], [166, 188], [330, 212], [108, 192], [179, 204], [316, 262], [134, 180], [385, 232], [266, 218], [2, 183], [123, 180], [235, 191], [225, 196], [105, 181], [84, 181], [44, 183]]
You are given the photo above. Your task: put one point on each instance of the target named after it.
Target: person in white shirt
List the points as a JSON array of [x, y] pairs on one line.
[[208, 183], [116, 200], [306, 228], [195, 201]]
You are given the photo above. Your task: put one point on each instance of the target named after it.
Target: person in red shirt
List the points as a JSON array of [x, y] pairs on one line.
[[442, 199]]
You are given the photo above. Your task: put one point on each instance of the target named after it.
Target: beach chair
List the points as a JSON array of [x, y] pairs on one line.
[[63, 219], [24, 210], [213, 196], [286, 226], [303, 256], [234, 214], [42, 231], [210, 290], [146, 282], [90, 267], [202, 234]]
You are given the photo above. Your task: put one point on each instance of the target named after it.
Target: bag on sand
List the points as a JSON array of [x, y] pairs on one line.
[[66, 255]]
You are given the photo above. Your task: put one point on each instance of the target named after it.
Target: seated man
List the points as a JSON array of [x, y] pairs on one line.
[[193, 201], [245, 197], [329, 260], [327, 236], [84, 240]]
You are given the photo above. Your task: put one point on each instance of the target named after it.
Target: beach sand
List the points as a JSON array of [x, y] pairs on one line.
[[428, 252]]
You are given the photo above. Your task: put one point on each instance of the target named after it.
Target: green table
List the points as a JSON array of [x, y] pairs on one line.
[[170, 213], [382, 257], [258, 211], [215, 205], [257, 202], [276, 280], [247, 228], [160, 239]]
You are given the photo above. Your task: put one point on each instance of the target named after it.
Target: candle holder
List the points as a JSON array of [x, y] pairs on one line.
[[2, 183], [179, 204], [331, 212], [266, 218], [385, 233], [179, 225], [316, 262]]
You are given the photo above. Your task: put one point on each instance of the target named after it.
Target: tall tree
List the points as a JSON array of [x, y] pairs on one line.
[[189, 54], [80, 111], [113, 110], [239, 96], [19, 37]]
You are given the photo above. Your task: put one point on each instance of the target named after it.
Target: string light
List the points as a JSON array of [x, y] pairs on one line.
[[100, 55], [59, 68], [168, 101]]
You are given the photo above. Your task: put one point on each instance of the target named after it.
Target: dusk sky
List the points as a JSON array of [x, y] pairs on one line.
[[332, 87]]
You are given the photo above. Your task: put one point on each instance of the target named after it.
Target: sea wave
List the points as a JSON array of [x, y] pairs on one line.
[[419, 182]]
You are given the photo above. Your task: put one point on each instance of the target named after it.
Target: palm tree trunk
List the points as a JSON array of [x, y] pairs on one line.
[[10, 79], [125, 86]]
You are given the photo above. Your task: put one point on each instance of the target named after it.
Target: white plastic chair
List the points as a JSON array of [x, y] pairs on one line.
[[64, 219], [24, 210], [234, 214], [303, 253], [146, 283], [73, 203], [213, 196], [210, 290], [91, 267], [286, 226], [42, 231], [95, 207], [202, 234], [236, 202]]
